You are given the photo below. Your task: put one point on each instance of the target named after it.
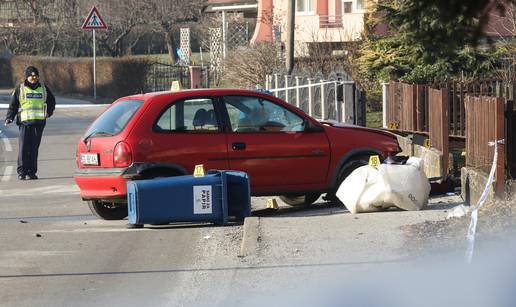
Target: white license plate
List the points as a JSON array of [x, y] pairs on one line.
[[89, 159]]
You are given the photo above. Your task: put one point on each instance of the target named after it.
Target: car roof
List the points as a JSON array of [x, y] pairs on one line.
[[200, 92]]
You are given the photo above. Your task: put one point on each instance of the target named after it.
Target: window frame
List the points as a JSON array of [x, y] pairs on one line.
[[354, 7], [218, 117], [307, 11], [229, 127]]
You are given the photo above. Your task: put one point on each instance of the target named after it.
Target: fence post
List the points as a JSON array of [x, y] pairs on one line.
[[287, 77], [276, 84], [323, 103], [297, 92], [310, 96], [337, 108], [499, 135], [195, 76], [384, 103]]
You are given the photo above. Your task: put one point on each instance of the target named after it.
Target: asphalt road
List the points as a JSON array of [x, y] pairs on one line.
[[53, 252]]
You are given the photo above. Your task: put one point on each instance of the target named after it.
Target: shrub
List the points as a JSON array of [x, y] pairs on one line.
[[247, 67], [115, 76]]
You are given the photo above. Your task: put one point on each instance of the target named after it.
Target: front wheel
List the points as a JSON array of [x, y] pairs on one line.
[[300, 200], [107, 211]]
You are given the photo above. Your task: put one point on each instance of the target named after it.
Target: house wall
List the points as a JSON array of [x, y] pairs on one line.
[[324, 24]]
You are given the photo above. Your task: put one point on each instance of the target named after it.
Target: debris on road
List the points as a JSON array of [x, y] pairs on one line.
[[370, 189], [458, 211]]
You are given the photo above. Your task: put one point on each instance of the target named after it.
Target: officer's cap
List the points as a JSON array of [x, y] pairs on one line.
[[31, 71]]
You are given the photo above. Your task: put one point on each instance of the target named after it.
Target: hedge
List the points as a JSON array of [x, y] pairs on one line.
[[116, 77]]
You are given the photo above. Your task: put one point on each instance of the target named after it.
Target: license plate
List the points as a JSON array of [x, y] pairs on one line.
[[89, 159]]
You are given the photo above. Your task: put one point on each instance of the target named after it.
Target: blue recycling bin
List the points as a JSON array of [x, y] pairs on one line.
[[212, 198]]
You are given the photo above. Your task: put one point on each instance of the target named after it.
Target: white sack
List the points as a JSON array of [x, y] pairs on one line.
[[368, 189], [363, 190]]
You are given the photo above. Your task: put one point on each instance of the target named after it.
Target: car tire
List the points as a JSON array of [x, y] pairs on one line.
[[300, 200], [107, 211], [346, 170], [351, 166]]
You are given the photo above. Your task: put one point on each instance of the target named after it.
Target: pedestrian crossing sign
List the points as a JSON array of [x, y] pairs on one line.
[[94, 20]]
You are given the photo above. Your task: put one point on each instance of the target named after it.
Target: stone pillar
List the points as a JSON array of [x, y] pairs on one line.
[[263, 29], [195, 77]]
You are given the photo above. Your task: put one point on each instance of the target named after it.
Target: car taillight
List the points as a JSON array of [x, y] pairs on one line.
[[122, 156]]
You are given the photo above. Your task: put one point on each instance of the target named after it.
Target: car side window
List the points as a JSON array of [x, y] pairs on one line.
[[191, 115], [255, 114]]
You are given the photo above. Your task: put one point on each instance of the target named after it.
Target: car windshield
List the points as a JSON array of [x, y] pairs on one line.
[[114, 120]]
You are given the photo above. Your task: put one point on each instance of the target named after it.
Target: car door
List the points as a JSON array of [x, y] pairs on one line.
[[187, 132], [271, 143]]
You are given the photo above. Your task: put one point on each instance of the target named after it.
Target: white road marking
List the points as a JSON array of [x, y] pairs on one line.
[[7, 173], [7, 144], [60, 106], [48, 190], [95, 230]]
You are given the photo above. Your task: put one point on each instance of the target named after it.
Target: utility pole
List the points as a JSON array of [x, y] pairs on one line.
[[289, 48]]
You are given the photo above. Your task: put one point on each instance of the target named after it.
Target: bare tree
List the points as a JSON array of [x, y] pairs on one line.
[[503, 27], [122, 18], [167, 15]]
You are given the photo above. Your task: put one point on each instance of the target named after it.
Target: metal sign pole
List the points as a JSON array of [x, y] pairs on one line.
[[94, 69]]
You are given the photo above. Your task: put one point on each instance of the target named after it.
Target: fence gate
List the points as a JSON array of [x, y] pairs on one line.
[[161, 75]]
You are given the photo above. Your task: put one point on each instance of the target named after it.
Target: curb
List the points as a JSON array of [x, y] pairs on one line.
[[250, 237]]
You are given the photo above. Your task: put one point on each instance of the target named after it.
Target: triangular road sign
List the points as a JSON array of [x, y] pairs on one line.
[[94, 20]]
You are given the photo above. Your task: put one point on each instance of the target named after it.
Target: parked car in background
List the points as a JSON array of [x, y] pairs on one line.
[[284, 151]]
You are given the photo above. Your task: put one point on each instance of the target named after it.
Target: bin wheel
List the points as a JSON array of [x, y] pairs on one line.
[[300, 200], [107, 211]]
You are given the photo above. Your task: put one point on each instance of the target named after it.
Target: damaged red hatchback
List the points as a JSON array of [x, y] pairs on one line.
[[283, 150]]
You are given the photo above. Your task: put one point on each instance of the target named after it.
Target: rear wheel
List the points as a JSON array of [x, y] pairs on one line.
[[108, 211], [300, 200]]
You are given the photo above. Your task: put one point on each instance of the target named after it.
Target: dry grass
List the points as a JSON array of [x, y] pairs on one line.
[[494, 219]]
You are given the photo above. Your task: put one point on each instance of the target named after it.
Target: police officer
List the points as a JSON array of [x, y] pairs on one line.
[[31, 103]]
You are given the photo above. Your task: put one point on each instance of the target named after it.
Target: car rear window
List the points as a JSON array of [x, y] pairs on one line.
[[114, 120]]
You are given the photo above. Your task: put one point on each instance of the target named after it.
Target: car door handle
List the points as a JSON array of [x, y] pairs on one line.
[[317, 151], [238, 146]]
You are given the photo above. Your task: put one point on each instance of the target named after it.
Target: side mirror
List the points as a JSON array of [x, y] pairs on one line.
[[311, 127]]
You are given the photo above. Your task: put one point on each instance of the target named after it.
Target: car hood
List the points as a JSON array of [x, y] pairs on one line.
[[336, 124]]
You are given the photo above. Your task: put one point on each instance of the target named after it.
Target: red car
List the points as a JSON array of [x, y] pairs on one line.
[[284, 151]]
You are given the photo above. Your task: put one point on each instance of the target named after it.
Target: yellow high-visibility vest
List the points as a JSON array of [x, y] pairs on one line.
[[32, 103]]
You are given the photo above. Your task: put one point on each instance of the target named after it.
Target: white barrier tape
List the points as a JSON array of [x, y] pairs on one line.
[[474, 214]]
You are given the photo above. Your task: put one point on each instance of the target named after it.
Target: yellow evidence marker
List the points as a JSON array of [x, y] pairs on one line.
[[392, 125], [199, 171], [272, 204], [176, 86], [374, 161]]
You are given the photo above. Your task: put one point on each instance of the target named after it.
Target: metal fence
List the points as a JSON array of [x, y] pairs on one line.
[[161, 76], [323, 99]]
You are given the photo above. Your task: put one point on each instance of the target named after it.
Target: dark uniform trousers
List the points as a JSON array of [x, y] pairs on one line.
[[29, 140]]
